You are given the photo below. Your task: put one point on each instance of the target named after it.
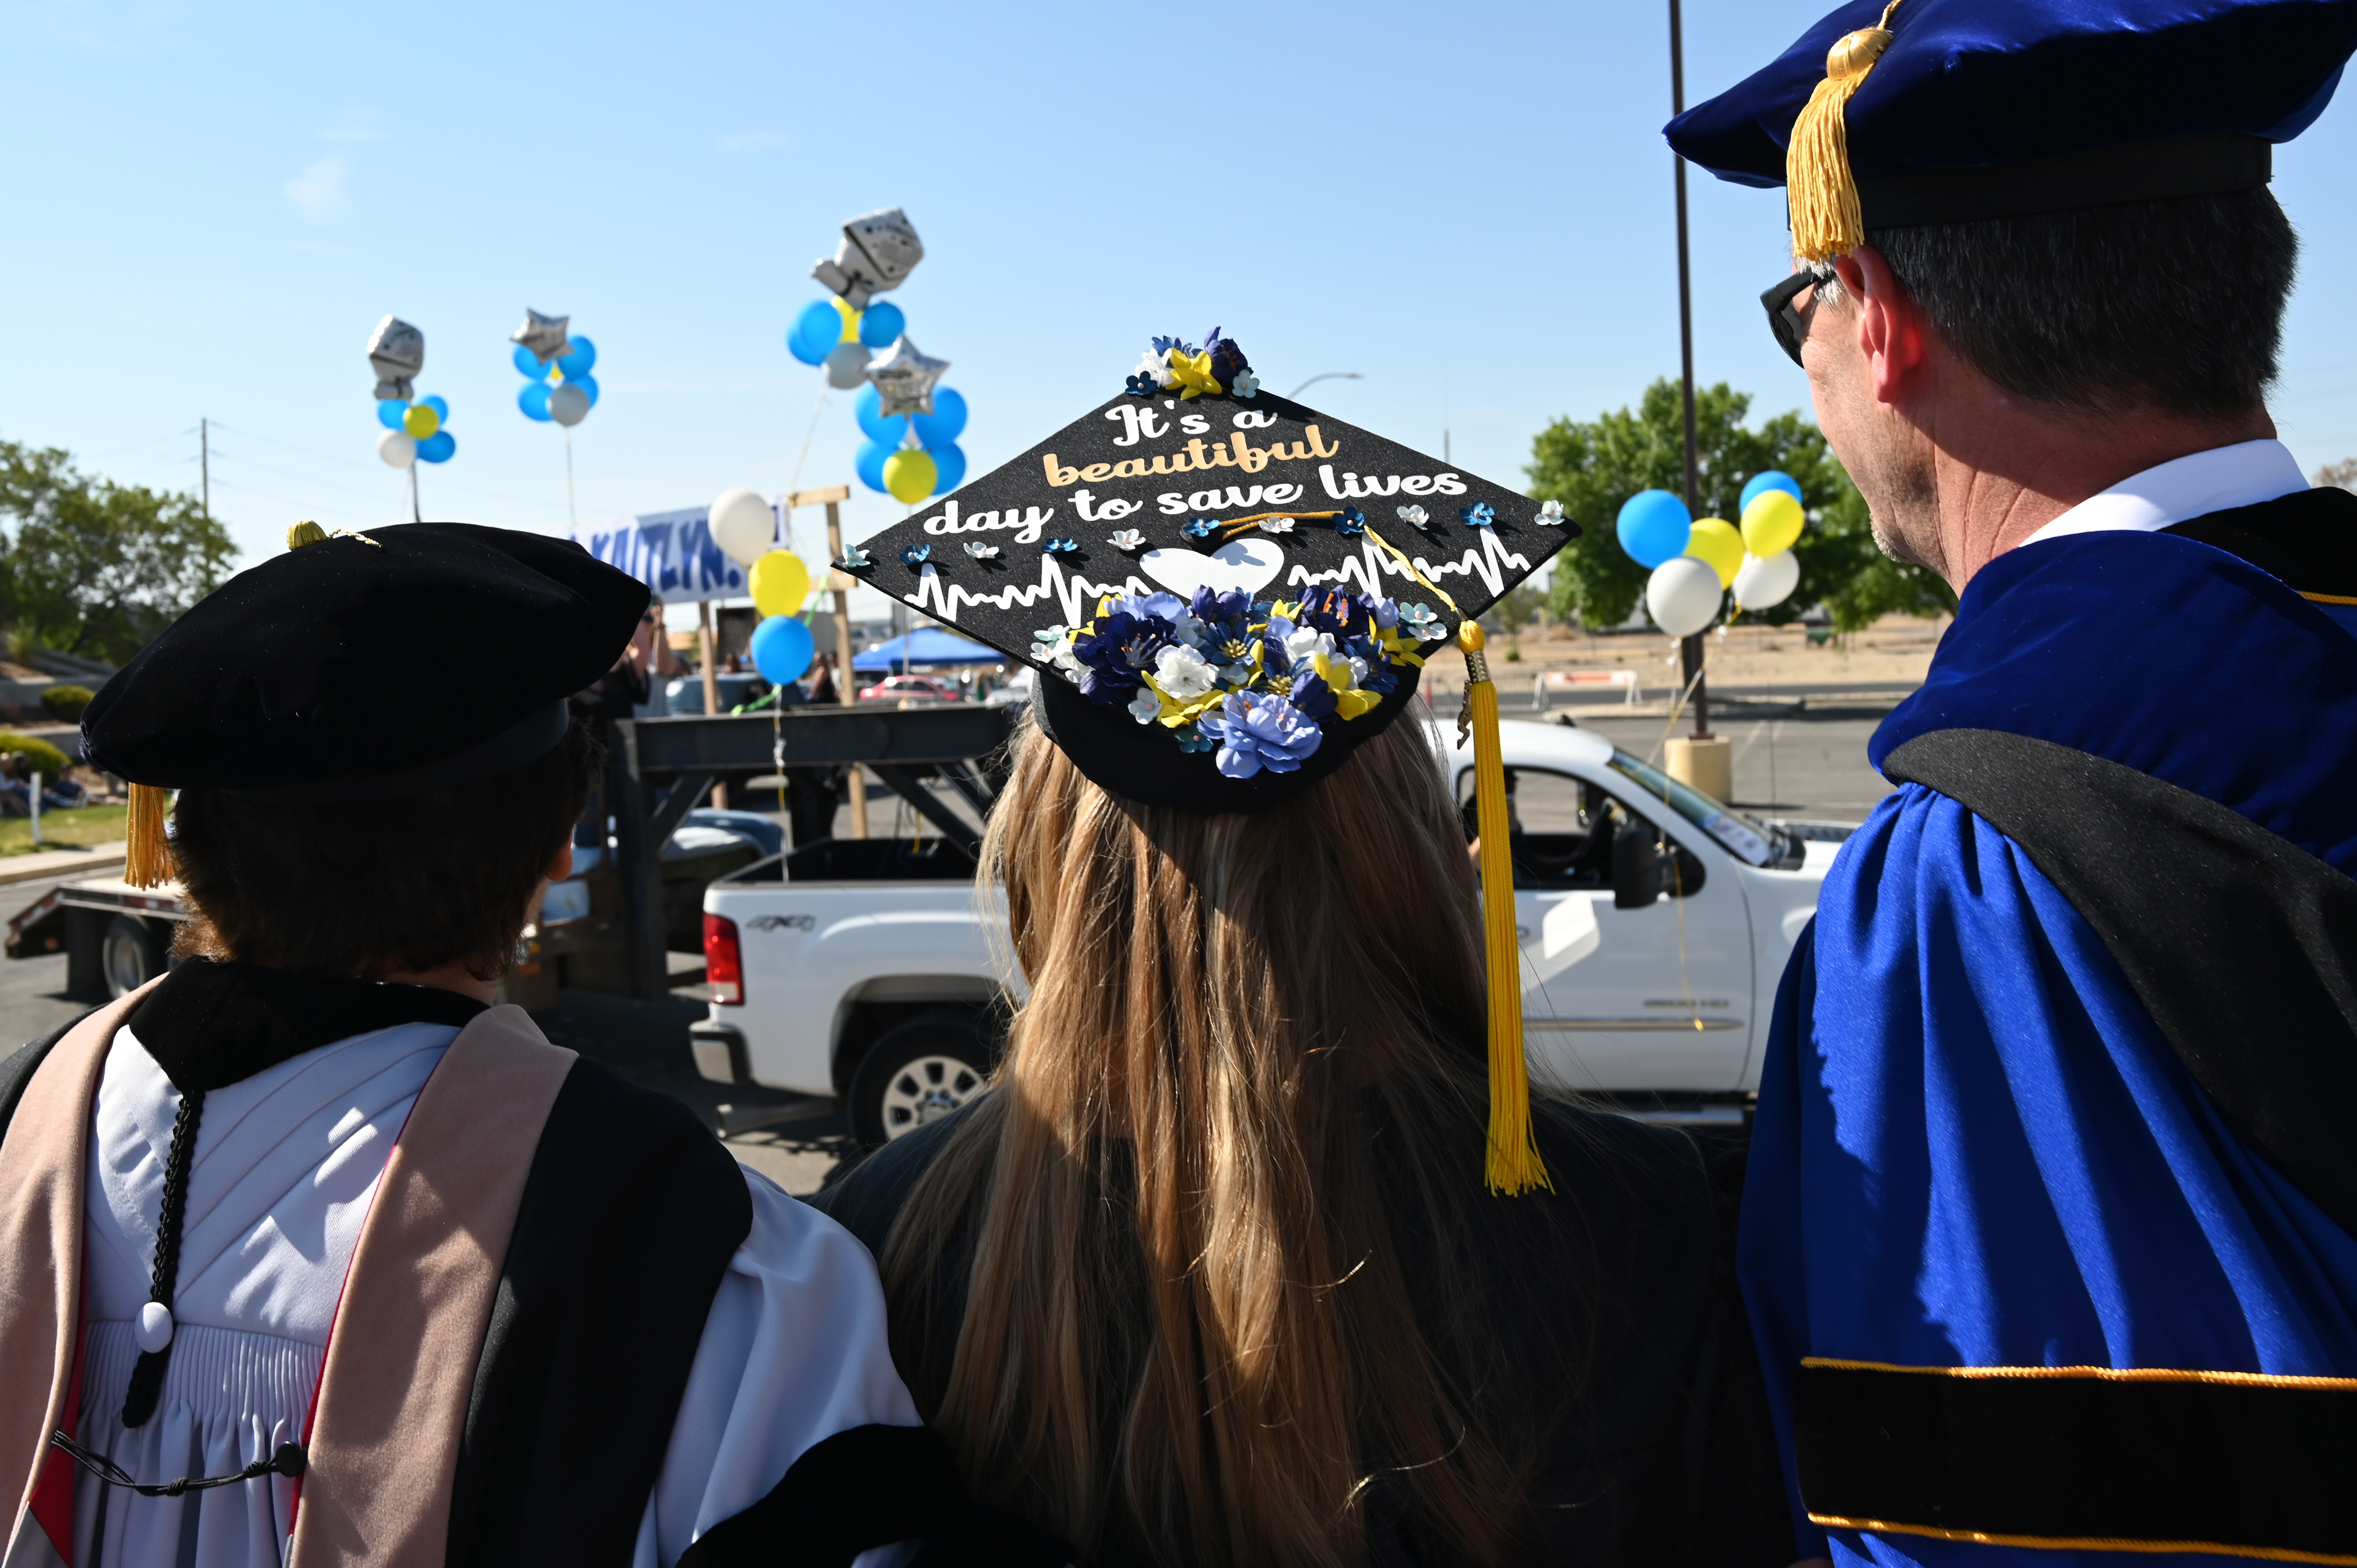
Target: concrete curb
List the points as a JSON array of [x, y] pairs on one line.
[[98, 859]]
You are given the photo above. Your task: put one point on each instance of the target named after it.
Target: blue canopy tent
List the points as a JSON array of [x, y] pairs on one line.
[[926, 644]]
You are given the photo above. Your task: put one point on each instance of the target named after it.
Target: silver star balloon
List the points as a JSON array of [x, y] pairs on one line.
[[904, 379], [397, 350], [543, 335]]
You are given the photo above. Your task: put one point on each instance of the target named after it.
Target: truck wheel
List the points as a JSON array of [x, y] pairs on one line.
[[917, 1073], [130, 955]]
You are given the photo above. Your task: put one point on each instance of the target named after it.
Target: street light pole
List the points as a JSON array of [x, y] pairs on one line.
[[1690, 651], [1324, 376]]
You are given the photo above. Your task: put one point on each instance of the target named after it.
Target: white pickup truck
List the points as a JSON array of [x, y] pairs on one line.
[[1655, 921]]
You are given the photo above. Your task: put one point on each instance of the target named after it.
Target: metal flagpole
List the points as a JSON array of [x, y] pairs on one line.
[[1690, 651]]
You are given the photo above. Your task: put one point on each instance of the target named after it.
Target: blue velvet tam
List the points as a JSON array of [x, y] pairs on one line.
[[1994, 108]]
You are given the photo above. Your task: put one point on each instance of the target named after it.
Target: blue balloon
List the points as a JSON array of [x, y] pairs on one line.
[[390, 412], [869, 465], [527, 363], [949, 463], [579, 357], [782, 649], [1653, 526], [1771, 480], [587, 383], [441, 409], [945, 424], [880, 323], [532, 398], [815, 332], [868, 409], [437, 448]]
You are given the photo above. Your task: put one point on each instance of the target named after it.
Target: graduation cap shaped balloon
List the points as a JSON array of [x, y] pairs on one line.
[[1223, 591]]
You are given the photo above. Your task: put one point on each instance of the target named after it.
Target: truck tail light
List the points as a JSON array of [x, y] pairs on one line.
[[723, 962]]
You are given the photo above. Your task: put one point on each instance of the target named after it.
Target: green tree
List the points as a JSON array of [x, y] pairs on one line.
[[95, 568], [1517, 608], [1595, 467]]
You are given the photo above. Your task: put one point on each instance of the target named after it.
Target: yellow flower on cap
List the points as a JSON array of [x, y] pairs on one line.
[[1191, 374]]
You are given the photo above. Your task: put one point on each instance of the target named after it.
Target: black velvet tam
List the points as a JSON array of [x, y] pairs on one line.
[[367, 666], [1259, 499]]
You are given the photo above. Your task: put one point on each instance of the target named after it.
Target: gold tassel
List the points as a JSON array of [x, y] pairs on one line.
[[1818, 185], [303, 533], [148, 860], [1514, 1165]]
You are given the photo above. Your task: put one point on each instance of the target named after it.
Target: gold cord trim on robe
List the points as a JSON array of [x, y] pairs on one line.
[[2065, 1543], [2106, 1374]]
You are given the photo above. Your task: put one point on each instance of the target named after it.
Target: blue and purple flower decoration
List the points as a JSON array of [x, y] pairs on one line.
[[1175, 365], [1251, 681]]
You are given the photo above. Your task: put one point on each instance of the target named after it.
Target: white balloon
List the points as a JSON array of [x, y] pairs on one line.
[[1683, 595], [846, 365], [1767, 580], [396, 448], [569, 405], [742, 524]]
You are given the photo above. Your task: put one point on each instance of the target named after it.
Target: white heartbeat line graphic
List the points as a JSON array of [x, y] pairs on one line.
[[1489, 563], [943, 601]]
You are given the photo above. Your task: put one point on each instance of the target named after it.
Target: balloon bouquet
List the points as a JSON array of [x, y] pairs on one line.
[[413, 432], [746, 528], [911, 425], [557, 386], [1694, 561]]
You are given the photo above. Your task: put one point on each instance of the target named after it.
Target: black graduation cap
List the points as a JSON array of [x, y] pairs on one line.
[[364, 667], [1223, 591]]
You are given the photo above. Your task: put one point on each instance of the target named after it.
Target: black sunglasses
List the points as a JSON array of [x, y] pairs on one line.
[[1785, 319]]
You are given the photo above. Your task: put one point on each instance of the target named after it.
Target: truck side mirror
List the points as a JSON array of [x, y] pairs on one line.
[[1637, 868]]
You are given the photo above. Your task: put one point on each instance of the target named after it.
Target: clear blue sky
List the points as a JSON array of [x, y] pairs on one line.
[[1470, 204]]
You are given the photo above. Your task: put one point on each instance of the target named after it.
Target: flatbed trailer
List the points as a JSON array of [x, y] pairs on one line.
[[116, 938]]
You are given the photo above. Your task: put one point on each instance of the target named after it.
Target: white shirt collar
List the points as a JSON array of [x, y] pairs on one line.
[[2244, 474]]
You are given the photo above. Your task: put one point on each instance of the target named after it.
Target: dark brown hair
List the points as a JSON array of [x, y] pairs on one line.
[[379, 887], [2175, 305]]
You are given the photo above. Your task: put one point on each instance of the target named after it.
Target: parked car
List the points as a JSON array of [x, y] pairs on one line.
[[1654, 922], [116, 938], [685, 693], [912, 688]]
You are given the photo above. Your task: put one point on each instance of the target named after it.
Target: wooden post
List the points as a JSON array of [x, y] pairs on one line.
[[711, 680], [847, 691]]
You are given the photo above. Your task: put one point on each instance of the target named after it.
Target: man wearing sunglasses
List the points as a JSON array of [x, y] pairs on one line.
[[2050, 1233]]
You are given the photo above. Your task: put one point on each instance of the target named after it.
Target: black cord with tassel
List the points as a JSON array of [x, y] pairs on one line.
[[148, 1373]]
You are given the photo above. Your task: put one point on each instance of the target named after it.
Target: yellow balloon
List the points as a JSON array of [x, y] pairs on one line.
[[1714, 541], [1772, 522], [781, 583], [850, 319], [910, 475], [420, 422]]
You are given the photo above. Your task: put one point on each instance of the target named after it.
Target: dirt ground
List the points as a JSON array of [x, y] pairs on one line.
[[1889, 656]]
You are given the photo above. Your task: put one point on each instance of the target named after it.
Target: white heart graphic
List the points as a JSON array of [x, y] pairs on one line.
[[1240, 565]]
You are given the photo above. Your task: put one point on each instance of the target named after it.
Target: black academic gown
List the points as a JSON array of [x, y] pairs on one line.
[[1656, 1451]]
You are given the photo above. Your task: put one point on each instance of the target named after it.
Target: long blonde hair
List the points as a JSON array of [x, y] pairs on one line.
[[1253, 1049]]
